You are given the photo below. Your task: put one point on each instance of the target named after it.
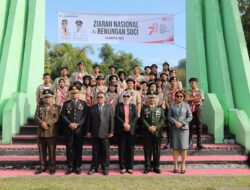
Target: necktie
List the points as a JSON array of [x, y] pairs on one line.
[[100, 108]]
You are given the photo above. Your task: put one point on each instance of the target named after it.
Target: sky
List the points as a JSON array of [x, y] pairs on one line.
[[148, 53]]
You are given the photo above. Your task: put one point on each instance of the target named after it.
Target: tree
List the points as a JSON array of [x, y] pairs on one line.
[[121, 60], [244, 7], [65, 54]]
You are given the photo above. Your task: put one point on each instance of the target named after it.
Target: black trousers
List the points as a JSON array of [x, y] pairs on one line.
[[151, 147], [126, 144], [45, 143], [197, 121], [100, 153], [74, 150]]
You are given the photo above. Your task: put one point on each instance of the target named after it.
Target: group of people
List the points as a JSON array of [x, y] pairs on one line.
[[121, 107]]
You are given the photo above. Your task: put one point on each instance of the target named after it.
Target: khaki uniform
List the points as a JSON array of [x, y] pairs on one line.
[[107, 78], [121, 86], [197, 114], [94, 92], [39, 92], [138, 79], [112, 100], [77, 76], [61, 95], [47, 138], [67, 81], [87, 95]]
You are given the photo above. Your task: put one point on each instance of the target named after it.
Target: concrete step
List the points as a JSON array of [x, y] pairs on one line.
[[209, 149], [18, 162], [32, 139]]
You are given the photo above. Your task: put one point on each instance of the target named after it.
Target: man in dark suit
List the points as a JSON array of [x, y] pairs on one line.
[[73, 123], [126, 119], [100, 127]]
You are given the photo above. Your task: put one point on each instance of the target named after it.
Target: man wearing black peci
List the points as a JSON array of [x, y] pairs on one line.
[[100, 127], [73, 121]]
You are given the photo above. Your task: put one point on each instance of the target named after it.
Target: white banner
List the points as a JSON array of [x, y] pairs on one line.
[[115, 28]]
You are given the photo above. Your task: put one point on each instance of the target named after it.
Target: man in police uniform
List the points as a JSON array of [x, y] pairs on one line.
[[73, 119], [47, 116], [153, 123]]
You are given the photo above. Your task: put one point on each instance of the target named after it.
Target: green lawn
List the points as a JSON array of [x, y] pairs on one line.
[[125, 182]]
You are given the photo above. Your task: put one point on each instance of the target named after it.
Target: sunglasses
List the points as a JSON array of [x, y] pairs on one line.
[[126, 96], [179, 96], [100, 97]]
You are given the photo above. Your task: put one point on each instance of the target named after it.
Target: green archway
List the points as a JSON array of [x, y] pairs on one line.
[[216, 54]]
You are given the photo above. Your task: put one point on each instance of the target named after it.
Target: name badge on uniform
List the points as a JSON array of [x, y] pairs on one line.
[[80, 107], [158, 113]]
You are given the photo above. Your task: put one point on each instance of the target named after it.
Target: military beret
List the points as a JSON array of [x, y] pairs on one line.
[[81, 62], [147, 67], [154, 65], [47, 93]]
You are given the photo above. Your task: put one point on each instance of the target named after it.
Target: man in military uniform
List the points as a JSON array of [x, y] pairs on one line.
[[153, 123], [46, 117], [73, 121], [195, 97]]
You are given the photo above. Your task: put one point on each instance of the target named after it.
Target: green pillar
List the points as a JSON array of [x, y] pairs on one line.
[[33, 66], [237, 54], [196, 58], [217, 65], [12, 54], [4, 11]]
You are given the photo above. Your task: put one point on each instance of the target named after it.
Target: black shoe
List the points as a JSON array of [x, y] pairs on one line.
[[52, 171], [39, 171], [175, 171], [157, 170], [69, 171], [78, 171], [92, 171], [200, 146], [105, 172], [146, 171]]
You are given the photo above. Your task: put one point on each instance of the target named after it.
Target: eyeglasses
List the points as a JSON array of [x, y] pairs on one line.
[[179, 96], [126, 96], [100, 97]]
